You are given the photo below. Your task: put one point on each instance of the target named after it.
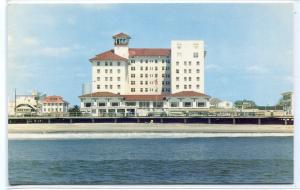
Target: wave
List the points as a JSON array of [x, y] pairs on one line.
[[23, 136]]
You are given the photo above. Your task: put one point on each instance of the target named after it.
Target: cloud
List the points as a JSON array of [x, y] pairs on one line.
[[30, 41], [256, 69], [289, 79], [213, 67], [71, 20], [55, 51]]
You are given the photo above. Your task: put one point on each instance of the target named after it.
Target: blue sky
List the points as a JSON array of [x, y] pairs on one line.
[[249, 46]]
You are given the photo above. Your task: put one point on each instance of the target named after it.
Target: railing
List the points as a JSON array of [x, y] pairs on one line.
[[152, 114]]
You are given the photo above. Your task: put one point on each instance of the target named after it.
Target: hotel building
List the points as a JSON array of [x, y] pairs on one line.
[[142, 81]]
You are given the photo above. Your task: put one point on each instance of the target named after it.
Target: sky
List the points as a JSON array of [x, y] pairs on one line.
[[249, 46]]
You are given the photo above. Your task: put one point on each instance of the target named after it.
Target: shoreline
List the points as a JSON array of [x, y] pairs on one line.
[[142, 130]]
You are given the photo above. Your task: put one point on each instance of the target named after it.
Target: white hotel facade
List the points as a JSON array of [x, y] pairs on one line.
[[145, 81]]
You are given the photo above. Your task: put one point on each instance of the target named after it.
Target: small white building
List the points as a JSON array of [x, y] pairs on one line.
[[110, 104], [24, 105], [54, 105], [220, 104]]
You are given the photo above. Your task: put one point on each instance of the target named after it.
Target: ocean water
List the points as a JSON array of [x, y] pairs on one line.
[[214, 160]]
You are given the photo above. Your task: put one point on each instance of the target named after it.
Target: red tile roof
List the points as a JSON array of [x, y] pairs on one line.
[[54, 99], [108, 55], [143, 97], [120, 35], [149, 52], [100, 94], [187, 94]]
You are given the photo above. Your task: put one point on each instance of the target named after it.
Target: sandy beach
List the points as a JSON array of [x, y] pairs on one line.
[[138, 130]]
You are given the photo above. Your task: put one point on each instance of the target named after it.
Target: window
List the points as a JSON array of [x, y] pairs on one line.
[[190, 63], [141, 89], [132, 89], [190, 70], [130, 103], [156, 68], [174, 104], [156, 75], [195, 54], [119, 86], [119, 70], [177, 86], [101, 104], [132, 75], [163, 61], [190, 78], [132, 68], [144, 104], [184, 70], [110, 71], [115, 104], [110, 78], [106, 78], [190, 86], [98, 78], [88, 104], [141, 75], [141, 68], [146, 82], [146, 60], [198, 70], [200, 104], [146, 68], [141, 82], [106, 71], [119, 78], [177, 71], [162, 82], [163, 90], [177, 63], [110, 63], [98, 70], [111, 86], [198, 78], [158, 104], [98, 86], [167, 82], [162, 75], [167, 68], [185, 78], [106, 64], [198, 62], [177, 78], [119, 63], [141, 61], [106, 86], [98, 63], [132, 61], [187, 104], [185, 86], [155, 61], [197, 86], [185, 63], [163, 68], [146, 89], [146, 75]]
